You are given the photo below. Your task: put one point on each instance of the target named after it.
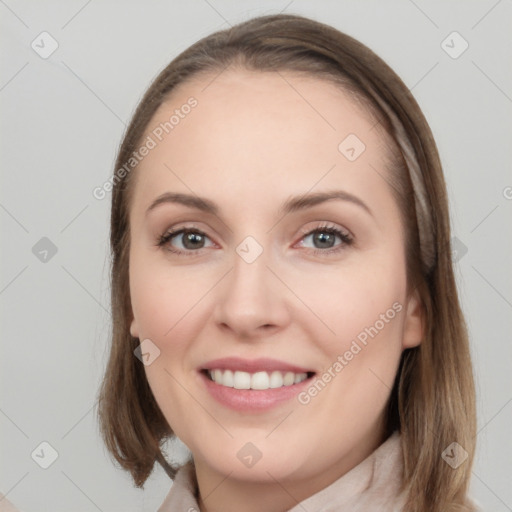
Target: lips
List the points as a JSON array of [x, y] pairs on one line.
[[255, 384]]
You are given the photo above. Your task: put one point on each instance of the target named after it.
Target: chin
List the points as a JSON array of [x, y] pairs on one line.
[[257, 461]]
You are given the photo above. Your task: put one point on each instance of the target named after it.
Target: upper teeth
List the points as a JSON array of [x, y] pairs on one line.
[[258, 380]]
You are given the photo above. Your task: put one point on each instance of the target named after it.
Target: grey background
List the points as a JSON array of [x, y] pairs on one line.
[[62, 120]]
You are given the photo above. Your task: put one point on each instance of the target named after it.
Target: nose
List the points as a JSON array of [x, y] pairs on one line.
[[251, 300]]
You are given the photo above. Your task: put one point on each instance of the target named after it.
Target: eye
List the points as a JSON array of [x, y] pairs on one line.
[[324, 238], [186, 241], [189, 241]]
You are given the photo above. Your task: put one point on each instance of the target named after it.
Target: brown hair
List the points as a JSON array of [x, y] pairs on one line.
[[433, 400]]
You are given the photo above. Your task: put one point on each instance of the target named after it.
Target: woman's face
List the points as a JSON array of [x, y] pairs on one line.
[[272, 283]]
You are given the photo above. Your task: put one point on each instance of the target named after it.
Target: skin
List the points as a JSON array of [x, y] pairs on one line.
[[251, 143]]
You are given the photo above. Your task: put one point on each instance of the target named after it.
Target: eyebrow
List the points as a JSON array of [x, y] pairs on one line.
[[293, 204]]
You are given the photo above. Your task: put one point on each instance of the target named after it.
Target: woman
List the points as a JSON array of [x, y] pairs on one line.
[[282, 286]]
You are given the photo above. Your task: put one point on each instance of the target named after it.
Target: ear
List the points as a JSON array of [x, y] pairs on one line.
[[414, 321], [134, 330]]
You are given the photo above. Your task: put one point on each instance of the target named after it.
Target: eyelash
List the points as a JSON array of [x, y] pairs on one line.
[[345, 237]]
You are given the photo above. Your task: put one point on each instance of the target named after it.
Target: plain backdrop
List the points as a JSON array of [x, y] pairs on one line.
[[62, 118]]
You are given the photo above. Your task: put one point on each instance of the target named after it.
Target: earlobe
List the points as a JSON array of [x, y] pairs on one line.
[[414, 322], [134, 330]]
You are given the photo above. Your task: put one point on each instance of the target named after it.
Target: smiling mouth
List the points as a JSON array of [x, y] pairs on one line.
[[257, 381]]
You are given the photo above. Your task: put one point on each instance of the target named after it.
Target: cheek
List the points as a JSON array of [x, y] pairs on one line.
[[365, 307], [164, 302], [354, 299]]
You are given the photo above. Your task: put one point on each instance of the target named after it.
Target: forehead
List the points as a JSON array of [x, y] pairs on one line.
[[248, 104], [251, 131]]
